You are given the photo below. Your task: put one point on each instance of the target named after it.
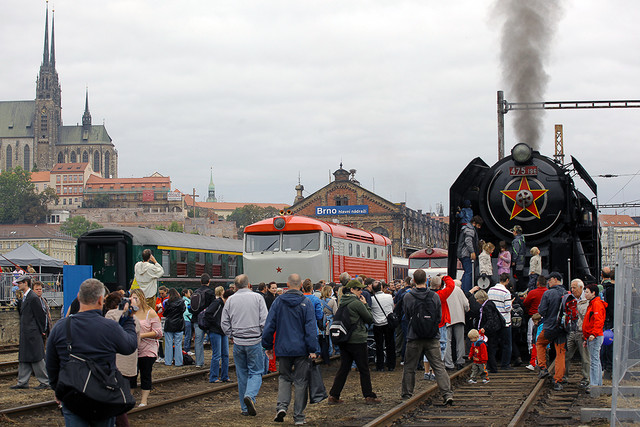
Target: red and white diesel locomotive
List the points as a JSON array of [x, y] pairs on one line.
[[277, 247]]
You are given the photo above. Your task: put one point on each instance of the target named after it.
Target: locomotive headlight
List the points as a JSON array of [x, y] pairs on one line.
[[279, 223], [521, 153]]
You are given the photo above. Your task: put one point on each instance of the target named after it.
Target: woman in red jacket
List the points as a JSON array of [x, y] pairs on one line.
[[592, 330]]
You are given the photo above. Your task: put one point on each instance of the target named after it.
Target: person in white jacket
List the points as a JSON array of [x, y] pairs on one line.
[[147, 272], [458, 306]]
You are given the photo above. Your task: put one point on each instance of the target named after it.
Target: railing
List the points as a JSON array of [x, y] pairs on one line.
[[52, 288]]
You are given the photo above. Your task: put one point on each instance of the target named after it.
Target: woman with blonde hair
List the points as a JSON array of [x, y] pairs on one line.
[[150, 331], [329, 308]]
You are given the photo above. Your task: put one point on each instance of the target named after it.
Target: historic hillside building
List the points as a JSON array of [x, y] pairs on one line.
[[344, 200], [32, 133]]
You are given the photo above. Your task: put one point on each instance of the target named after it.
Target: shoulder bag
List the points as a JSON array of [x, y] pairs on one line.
[[90, 392], [392, 318]]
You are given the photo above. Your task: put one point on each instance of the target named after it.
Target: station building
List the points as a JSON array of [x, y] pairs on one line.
[[345, 201], [616, 231], [44, 237]]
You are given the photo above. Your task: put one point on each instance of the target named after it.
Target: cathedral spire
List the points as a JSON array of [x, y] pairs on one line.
[[45, 54], [211, 193], [53, 43], [86, 117]]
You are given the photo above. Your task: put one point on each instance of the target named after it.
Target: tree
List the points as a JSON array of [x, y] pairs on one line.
[[99, 201], [78, 225], [176, 227], [249, 214], [20, 202]]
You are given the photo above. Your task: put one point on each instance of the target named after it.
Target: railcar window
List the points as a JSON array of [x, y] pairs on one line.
[[357, 250], [181, 265], [419, 263], [165, 262], [232, 265], [109, 259], [262, 242], [375, 253], [368, 251], [350, 249], [301, 241]]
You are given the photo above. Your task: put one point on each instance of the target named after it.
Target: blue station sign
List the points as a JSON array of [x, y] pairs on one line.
[[342, 210]]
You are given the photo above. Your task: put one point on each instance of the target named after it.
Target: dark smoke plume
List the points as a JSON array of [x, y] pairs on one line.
[[527, 32]]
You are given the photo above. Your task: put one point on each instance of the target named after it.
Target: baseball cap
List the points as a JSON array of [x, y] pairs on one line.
[[354, 284], [23, 278], [554, 275]]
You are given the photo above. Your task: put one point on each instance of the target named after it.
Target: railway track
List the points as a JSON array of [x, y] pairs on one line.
[[8, 349], [511, 398]]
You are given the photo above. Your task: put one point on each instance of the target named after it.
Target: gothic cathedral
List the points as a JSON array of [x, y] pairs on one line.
[[32, 135]]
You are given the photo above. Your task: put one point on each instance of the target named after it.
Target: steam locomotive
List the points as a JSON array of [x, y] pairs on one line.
[[538, 194]]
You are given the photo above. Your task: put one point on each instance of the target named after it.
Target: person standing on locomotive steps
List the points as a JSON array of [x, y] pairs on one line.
[[355, 349], [551, 330], [243, 320], [467, 248], [519, 248], [94, 337], [292, 321], [32, 333], [147, 272], [423, 308], [200, 300]]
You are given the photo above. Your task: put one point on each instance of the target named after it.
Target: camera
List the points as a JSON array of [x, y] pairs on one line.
[[123, 302]]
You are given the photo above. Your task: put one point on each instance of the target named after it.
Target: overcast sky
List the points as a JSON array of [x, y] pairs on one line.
[[402, 91]]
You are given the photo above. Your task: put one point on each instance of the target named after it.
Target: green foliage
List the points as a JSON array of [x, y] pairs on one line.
[[249, 214], [20, 202], [44, 251], [78, 225], [160, 227], [176, 227]]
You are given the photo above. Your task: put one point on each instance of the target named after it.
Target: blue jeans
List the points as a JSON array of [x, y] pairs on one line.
[[188, 333], [444, 333], [595, 374], [199, 344], [73, 420], [219, 350], [249, 362], [171, 339], [467, 277]]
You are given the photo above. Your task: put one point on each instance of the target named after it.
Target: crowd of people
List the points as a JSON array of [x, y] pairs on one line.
[[430, 323]]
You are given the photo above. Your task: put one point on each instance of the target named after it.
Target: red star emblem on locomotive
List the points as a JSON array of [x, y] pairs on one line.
[[524, 198], [279, 269]]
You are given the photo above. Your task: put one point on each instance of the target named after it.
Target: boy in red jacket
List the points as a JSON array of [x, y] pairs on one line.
[[479, 356]]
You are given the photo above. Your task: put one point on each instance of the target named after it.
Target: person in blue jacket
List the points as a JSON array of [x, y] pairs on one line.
[[292, 319]]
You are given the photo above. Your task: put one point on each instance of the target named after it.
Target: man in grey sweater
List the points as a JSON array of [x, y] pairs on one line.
[[243, 319]]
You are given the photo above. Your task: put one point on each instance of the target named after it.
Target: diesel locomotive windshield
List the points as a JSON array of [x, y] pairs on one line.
[[301, 241], [262, 242]]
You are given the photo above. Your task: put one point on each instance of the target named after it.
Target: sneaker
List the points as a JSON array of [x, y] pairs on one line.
[[448, 401], [280, 416], [531, 367], [557, 387], [543, 373], [191, 353], [42, 386], [427, 376], [334, 400], [251, 406], [160, 360], [19, 386], [432, 376], [372, 400], [472, 381], [300, 423], [486, 380]]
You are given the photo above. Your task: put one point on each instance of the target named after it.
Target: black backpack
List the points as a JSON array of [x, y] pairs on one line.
[[197, 301], [341, 328], [206, 318], [425, 319], [491, 319]]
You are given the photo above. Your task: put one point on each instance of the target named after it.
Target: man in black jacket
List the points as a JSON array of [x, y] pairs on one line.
[[32, 333], [417, 346], [93, 337], [608, 290], [206, 296]]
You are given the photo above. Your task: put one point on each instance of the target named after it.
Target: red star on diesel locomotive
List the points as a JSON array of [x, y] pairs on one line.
[[524, 198], [279, 269]]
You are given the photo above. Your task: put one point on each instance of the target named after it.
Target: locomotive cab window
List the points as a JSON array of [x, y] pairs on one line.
[[300, 241], [415, 263], [262, 242]]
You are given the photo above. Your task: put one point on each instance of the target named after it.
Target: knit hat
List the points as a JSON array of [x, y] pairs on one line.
[[354, 284]]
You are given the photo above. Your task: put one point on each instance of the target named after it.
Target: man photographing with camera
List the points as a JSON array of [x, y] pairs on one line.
[[93, 338]]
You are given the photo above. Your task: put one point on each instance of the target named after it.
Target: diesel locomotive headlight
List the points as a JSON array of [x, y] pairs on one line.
[[279, 223], [521, 153]]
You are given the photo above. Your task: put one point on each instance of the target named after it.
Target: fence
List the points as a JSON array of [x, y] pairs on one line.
[[52, 288], [626, 344]]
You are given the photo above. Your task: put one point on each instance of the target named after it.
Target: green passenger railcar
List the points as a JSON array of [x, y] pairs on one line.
[[113, 253]]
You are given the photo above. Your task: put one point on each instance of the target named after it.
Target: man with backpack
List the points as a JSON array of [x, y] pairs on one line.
[[353, 312], [423, 308], [292, 322], [200, 300], [552, 332]]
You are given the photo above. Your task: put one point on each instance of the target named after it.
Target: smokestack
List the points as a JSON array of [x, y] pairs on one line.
[[527, 32]]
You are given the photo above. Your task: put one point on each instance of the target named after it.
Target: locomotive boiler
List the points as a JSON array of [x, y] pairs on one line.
[[539, 194]]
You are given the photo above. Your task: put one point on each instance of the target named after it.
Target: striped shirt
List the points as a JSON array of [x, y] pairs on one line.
[[501, 297]]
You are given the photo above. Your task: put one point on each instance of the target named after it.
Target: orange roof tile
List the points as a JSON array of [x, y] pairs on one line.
[[617, 221], [69, 167], [40, 176]]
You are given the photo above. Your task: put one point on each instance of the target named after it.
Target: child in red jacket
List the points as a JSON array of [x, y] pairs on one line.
[[478, 355]]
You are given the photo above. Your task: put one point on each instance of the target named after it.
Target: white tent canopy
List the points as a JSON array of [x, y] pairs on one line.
[[27, 254]]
